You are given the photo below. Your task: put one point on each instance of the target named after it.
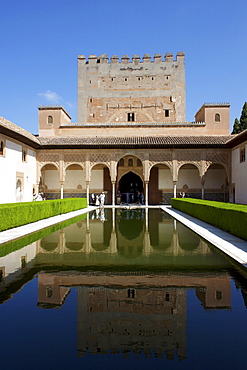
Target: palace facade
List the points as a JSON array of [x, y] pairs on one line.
[[131, 137]]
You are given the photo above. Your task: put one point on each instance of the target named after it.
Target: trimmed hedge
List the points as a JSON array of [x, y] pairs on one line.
[[18, 214], [30, 238], [226, 216]]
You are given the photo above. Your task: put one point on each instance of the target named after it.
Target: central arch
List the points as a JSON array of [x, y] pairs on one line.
[[130, 186]]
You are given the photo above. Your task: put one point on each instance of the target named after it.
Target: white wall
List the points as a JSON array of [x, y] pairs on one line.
[[189, 177], [97, 180], [11, 164], [165, 179], [239, 174], [74, 178], [51, 179]]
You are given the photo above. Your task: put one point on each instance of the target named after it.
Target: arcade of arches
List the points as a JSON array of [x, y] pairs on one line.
[[159, 175]]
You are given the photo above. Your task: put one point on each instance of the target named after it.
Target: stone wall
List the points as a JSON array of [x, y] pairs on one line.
[[137, 90]]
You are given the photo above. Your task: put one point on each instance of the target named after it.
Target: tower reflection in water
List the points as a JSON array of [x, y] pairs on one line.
[[131, 270]]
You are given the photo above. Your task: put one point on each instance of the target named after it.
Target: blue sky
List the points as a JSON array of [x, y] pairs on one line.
[[41, 39]]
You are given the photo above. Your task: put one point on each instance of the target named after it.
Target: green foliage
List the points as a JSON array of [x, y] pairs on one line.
[[28, 239], [226, 216], [243, 118], [236, 127], [18, 214], [241, 125]]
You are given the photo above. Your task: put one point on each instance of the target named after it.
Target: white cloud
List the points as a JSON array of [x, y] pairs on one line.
[[51, 96]]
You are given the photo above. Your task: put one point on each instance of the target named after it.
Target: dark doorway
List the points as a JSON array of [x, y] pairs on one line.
[[130, 187]]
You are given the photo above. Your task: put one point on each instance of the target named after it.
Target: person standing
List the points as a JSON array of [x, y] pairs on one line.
[[93, 199], [119, 197], [97, 200], [102, 199]]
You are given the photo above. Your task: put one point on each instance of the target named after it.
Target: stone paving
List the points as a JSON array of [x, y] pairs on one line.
[[231, 245]]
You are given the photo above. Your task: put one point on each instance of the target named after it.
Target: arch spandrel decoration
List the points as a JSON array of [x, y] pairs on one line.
[[68, 164], [154, 163], [197, 164], [48, 158], [132, 170], [74, 158], [119, 156], [160, 157], [100, 159], [218, 158], [43, 164]]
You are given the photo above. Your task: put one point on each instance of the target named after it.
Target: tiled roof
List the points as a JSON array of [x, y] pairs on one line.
[[9, 128], [143, 141]]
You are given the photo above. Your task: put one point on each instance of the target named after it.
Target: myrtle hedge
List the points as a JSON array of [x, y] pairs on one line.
[[18, 214], [226, 216], [17, 244]]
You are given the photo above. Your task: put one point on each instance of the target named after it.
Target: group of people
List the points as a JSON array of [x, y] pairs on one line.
[[137, 197], [38, 197], [183, 195], [98, 199]]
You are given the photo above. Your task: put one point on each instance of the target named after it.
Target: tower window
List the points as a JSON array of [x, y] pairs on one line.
[[167, 113], [131, 117], [218, 295], [131, 293], [50, 120], [217, 117]]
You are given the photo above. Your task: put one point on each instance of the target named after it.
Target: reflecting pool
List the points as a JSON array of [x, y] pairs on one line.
[[120, 288]]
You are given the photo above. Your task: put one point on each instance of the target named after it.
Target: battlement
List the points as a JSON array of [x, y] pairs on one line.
[[131, 89], [136, 59]]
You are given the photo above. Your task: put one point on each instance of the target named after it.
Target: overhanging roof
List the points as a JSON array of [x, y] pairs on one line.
[[135, 142]]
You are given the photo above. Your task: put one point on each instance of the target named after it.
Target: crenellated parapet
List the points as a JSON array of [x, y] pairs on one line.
[[125, 59], [150, 89]]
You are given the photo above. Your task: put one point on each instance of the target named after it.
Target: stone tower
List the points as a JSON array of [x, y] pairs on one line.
[[141, 91]]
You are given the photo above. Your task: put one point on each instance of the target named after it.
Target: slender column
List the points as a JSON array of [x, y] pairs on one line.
[[61, 189], [146, 194], [113, 192], [174, 189], [87, 185], [203, 188]]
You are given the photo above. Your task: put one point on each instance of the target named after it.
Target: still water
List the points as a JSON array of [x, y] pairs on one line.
[[120, 289]]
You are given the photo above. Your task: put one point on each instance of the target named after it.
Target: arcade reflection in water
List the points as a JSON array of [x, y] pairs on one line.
[[131, 270], [117, 235]]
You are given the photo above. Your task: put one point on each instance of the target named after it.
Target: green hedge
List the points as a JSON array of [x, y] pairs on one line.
[[18, 214], [30, 238], [226, 216]]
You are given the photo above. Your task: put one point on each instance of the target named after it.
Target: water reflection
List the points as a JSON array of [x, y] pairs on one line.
[[131, 270], [143, 237], [139, 313]]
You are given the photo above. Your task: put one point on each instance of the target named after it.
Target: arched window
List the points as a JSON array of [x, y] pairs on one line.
[[139, 163], [130, 162], [121, 162], [217, 117], [50, 120]]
